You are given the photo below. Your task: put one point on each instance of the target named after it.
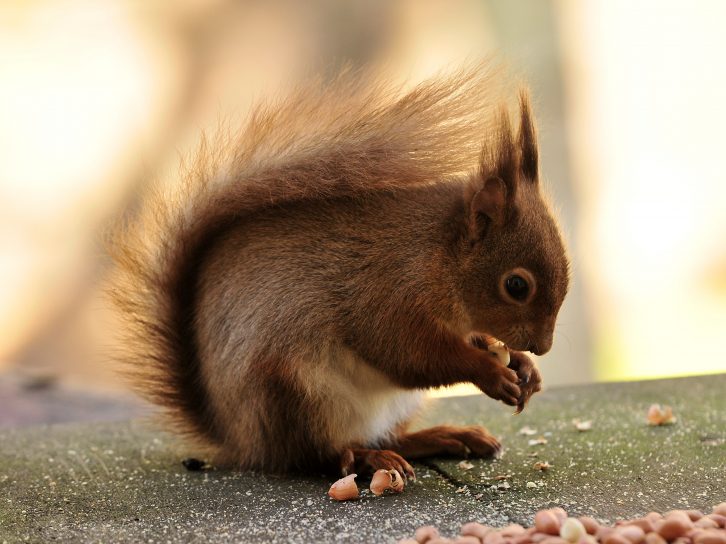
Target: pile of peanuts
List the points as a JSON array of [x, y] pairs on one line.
[[553, 526]]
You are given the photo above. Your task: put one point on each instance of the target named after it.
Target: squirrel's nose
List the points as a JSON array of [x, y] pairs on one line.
[[542, 345]]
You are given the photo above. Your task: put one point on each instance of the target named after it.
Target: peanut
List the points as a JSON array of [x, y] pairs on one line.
[[547, 522], [572, 530], [467, 540], [426, 533], [633, 533], [591, 525], [710, 536], [553, 526], [501, 350], [644, 523], [475, 529], [673, 527], [654, 538], [381, 481]]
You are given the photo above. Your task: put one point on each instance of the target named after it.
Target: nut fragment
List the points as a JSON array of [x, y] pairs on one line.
[[396, 481], [500, 349], [660, 416], [542, 465], [381, 481], [582, 426], [386, 479], [344, 489]]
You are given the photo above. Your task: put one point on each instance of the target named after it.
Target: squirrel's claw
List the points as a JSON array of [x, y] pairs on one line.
[[530, 380], [367, 461]]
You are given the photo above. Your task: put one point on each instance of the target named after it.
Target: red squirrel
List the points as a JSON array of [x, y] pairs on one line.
[[349, 249]]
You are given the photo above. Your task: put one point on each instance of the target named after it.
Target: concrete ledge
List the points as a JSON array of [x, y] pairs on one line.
[[123, 482]]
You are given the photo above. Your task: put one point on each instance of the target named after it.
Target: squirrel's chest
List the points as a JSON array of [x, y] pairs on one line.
[[359, 404]]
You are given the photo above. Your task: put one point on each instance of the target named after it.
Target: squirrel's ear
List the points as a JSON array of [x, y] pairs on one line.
[[529, 160], [490, 201], [495, 185]]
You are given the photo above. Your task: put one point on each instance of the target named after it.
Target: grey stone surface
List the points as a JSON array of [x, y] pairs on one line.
[[622, 467], [29, 399], [124, 482]]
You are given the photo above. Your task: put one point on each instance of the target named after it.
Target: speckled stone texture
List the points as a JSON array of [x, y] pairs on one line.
[[124, 482]]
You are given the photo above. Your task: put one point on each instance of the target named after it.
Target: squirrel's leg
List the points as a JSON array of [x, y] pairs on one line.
[[365, 461], [446, 440]]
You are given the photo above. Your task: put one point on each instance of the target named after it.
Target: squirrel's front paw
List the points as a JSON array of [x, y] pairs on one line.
[[500, 383], [530, 380]]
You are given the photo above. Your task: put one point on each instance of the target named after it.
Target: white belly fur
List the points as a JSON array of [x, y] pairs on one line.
[[360, 404]]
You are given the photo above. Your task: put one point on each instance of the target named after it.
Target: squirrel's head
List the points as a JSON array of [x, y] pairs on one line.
[[517, 271]]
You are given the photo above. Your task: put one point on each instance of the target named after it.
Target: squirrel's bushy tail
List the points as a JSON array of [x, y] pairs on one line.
[[345, 138]]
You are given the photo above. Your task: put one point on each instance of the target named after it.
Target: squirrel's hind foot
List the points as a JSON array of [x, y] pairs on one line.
[[448, 441], [367, 461]]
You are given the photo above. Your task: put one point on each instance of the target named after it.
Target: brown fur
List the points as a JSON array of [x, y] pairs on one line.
[[334, 256]]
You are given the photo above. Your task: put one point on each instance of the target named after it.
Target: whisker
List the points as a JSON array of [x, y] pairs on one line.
[[569, 342]]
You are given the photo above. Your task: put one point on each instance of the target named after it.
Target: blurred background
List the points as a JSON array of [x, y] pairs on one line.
[[98, 97]]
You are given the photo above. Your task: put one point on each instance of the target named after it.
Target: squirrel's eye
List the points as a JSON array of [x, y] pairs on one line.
[[517, 287]]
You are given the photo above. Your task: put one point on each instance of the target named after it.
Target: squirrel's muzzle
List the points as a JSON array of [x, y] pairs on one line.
[[542, 343]]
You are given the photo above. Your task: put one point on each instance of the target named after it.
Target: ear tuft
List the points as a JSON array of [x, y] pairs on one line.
[[491, 201], [529, 162]]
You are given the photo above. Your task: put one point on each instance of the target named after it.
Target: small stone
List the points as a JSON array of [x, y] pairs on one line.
[[582, 426]]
